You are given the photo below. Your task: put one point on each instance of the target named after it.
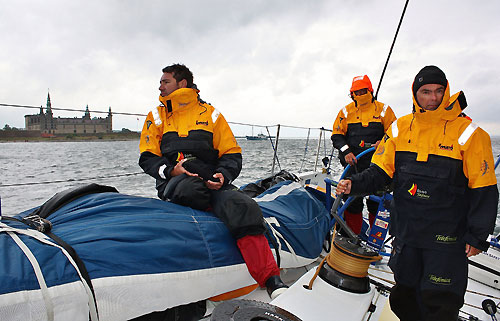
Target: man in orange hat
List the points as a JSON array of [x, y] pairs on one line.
[[359, 126]]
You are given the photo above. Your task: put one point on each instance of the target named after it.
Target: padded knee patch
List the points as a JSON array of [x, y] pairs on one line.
[[440, 305], [241, 214], [404, 303], [191, 192]]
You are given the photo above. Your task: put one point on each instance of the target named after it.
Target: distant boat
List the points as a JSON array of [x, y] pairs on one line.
[[258, 137]]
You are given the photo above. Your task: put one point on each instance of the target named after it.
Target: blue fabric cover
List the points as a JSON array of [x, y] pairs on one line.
[[117, 235]]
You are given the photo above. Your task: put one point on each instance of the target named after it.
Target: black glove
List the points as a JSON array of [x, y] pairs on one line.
[[203, 170]]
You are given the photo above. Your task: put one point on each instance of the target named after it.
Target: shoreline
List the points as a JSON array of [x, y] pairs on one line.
[[72, 138]]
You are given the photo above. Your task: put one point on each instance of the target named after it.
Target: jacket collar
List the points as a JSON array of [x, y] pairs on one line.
[[179, 99]]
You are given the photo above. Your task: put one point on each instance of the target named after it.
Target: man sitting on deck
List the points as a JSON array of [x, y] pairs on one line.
[[189, 148]]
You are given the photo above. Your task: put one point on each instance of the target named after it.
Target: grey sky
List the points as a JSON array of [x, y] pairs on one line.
[[260, 62]]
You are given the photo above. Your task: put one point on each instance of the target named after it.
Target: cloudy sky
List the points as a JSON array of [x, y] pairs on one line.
[[262, 62]]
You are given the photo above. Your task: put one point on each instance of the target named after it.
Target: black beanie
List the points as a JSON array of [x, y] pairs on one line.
[[429, 75]]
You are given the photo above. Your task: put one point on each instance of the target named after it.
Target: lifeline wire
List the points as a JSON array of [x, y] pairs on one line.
[[72, 180], [70, 109], [305, 150], [138, 114], [275, 149]]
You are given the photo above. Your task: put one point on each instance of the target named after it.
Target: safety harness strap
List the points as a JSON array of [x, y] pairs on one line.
[[38, 221], [49, 306], [77, 263]]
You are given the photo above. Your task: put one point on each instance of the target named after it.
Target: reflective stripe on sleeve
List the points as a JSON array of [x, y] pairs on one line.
[[467, 133], [156, 117], [215, 115], [344, 148], [394, 128], [161, 171], [384, 109]]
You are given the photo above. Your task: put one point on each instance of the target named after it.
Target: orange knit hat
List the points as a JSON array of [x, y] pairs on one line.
[[360, 82]]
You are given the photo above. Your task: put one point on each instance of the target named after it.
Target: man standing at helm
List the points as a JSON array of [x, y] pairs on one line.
[[358, 126], [445, 198]]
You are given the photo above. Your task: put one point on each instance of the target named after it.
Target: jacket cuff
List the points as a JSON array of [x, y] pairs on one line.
[[227, 177], [478, 244], [164, 171], [345, 150]]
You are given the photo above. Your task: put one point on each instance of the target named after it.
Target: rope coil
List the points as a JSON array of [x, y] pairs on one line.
[[346, 262], [349, 263]]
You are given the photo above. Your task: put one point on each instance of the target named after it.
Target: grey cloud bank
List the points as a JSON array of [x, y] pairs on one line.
[[260, 62]]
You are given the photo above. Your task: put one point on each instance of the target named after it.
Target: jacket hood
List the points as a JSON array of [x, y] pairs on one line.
[[449, 109], [179, 98]]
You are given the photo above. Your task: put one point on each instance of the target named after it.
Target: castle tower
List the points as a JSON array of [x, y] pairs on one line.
[[49, 105], [87, 113], [49, 125], [110, 121]]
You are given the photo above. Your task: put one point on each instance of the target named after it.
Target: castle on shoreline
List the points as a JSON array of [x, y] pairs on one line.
[[46, 123]]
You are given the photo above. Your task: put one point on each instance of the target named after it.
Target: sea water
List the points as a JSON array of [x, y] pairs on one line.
[[32, 172]]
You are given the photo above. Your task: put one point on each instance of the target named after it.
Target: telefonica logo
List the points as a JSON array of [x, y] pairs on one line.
[[202, 123], [445, 239], [439, 280]]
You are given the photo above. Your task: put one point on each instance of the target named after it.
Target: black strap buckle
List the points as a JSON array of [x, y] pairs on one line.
[[38, 223]]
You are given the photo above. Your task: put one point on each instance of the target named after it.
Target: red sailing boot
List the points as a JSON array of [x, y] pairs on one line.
[[371, 218], [354, 221]]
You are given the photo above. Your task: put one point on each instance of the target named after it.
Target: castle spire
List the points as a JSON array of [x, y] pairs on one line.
[[87, 113], [49, 104]]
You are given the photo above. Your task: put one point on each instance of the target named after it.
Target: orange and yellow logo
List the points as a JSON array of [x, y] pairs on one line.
[[180, 156], [413, 189]]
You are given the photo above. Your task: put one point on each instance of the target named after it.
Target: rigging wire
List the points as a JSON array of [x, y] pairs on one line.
[[144, 115], [138, 173], [305, 150], [275, 149], [390, 51], [275, 158], [324, 143], [71, 109]]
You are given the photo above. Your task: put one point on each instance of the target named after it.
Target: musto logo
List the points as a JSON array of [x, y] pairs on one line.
[[444, 147], [415, 191]]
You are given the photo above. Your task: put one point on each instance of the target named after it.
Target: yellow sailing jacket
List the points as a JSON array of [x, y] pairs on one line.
[[442, 168], [183, 126], [357, 127]]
